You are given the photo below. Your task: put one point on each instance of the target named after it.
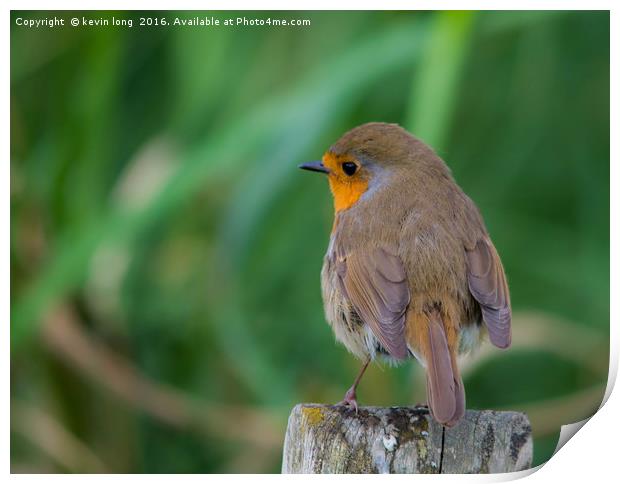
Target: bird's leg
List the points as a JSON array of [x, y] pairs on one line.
[[350, 399]]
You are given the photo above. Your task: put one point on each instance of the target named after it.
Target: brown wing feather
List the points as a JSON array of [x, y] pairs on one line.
[[487, 283], [375, 283]]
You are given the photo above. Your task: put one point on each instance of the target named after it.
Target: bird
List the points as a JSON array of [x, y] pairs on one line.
[[410, 271]]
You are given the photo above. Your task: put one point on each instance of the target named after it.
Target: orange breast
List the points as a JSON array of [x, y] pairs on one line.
[[346, 193], [346, 189]]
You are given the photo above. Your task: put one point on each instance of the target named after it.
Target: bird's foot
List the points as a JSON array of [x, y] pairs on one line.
[[349, 400]]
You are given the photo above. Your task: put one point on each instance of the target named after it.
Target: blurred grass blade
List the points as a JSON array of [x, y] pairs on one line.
[[435, 81]]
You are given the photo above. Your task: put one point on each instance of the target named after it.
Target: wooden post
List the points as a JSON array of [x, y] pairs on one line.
[[323, 439]]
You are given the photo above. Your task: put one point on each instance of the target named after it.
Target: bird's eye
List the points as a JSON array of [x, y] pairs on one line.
[[349, 168]]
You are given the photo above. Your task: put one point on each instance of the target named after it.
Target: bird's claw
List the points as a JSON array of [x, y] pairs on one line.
[[349, 400]]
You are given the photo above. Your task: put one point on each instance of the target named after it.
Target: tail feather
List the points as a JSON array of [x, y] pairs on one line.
[[460, 401], [444, 387]]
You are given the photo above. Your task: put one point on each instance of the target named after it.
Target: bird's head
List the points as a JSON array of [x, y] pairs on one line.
[[365, 158]]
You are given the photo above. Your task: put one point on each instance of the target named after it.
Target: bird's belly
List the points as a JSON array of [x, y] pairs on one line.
[[358, 337], [348, 328]]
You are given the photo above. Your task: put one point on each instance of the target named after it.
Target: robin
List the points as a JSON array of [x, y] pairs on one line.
[[410, 270]]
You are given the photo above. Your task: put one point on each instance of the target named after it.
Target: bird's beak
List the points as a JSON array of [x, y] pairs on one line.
[[314, 166]]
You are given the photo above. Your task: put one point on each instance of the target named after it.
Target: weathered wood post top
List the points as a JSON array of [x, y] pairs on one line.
[[322, 439]]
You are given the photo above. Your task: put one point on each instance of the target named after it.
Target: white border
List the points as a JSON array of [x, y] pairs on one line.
[[589, 456], [312, 5]]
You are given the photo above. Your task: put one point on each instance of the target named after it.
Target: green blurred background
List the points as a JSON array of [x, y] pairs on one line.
[[165, 250]]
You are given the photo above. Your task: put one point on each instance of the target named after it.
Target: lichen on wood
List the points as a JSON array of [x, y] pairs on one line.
[[334, 439]]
